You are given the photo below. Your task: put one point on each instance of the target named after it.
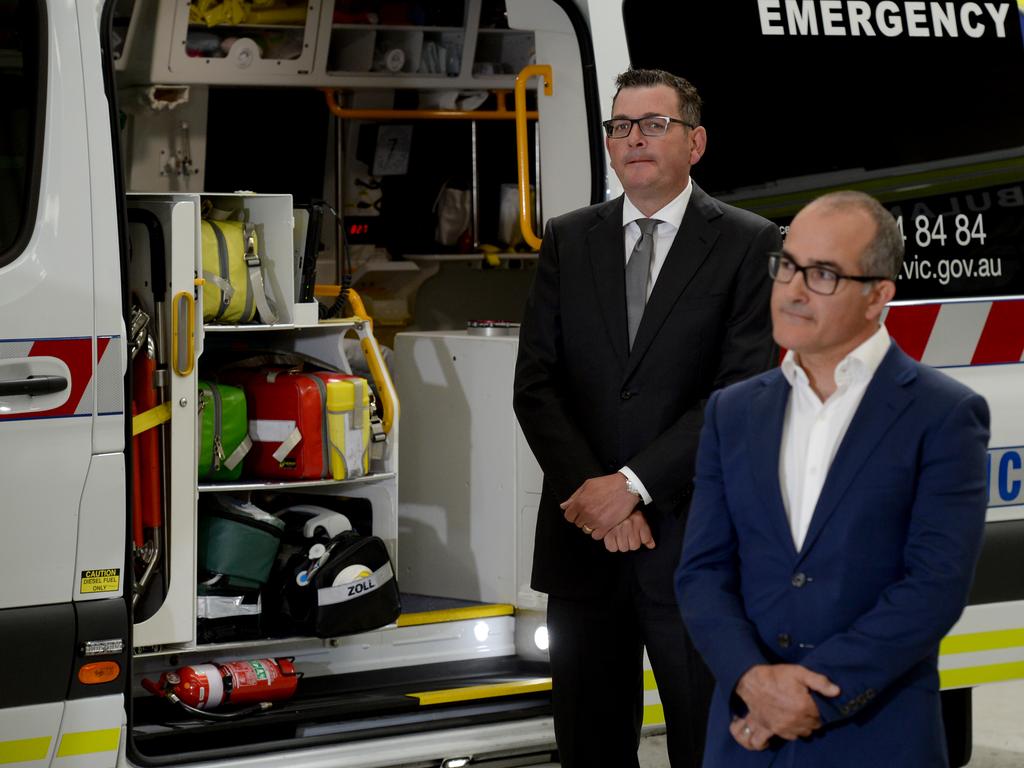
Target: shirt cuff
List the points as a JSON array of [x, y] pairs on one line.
[[631, 476]]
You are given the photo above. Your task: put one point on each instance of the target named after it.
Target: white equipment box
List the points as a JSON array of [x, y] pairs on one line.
[[469, 485]]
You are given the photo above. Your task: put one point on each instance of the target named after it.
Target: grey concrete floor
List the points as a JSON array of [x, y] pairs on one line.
[[998, 730]]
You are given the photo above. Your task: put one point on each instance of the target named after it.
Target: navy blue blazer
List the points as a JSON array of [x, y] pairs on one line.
[[883, 573]]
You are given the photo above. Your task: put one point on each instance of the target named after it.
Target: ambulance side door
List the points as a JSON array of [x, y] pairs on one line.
[[61, 371]]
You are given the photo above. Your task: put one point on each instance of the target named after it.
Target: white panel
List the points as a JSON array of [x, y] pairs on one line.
[[34, 729], [469, 487], [564, 127], [101, 529], [90, 733], [174, 622]]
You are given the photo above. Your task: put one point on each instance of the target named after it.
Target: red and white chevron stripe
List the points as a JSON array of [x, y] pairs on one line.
[[959, 333]]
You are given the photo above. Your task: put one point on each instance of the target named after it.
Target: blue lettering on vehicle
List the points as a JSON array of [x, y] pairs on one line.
[[1005, 476]]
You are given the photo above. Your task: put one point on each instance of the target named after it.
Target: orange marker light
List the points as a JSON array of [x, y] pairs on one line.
[[98, 672]]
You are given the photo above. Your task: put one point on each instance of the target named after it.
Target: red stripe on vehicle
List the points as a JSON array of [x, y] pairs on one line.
[[77, 354], [911, 326], [1002, 338]]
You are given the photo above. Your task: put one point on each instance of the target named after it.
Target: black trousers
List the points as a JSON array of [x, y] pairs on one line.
[[596, 651]]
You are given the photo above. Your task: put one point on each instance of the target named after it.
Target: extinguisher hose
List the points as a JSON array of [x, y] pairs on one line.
[[168, 694], [263, 706]]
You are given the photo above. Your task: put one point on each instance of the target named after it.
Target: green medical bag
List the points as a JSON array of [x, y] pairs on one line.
[[224, 431]]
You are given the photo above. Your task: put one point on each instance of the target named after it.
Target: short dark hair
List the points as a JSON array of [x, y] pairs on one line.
[[884, 254], [689, 100]]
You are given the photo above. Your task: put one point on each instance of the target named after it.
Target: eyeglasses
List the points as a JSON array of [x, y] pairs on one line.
[[823, 280], [652, 125]]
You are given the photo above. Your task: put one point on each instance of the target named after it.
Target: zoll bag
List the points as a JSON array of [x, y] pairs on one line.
[[329, 582]]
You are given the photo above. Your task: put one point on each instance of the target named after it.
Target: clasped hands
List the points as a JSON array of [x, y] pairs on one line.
[[604, 510], [779, 703]]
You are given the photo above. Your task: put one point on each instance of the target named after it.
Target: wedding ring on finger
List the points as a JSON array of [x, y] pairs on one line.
[[587, 530]]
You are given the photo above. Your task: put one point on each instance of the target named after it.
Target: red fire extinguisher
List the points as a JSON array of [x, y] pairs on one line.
[[203, 687]]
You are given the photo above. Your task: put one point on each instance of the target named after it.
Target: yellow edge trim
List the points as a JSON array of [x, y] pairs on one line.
[[490, 691], [154, 417], [455, 614], [993, 673], [654, 714], [24, 750], [982, 641], [649, 682], [88, 742]]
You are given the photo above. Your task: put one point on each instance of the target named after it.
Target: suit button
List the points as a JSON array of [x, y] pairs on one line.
[[625, 394], [784, 640], [798, 580]]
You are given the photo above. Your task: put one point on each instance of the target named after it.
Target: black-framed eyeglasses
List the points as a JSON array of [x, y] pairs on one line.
[[824, 280], [652, 125]]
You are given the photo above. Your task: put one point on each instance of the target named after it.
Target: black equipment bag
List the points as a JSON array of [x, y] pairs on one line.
[[331, 587]]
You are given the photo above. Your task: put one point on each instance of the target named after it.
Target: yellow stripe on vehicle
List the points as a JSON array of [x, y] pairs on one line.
[[654, 714], [24, 750], [489, 691], [983, 641], [455, 614], [649, 683], [991, 673], [88, 742]]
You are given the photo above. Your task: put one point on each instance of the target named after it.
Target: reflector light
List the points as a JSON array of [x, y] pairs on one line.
[[98, 672]]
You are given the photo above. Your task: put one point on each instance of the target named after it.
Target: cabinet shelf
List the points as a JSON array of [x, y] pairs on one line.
[[397, 27], [261, 485], [334, 325]]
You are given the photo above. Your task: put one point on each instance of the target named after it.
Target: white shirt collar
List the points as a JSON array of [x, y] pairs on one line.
[[671, 214], [861, 363]]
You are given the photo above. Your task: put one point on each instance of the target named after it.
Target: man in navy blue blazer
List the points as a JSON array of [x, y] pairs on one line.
[[837, 516]]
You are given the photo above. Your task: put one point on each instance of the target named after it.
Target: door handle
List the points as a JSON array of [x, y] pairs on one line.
[[34, 385]]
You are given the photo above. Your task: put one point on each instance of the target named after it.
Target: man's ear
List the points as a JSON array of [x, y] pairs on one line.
[[882, 292], [698, 143]]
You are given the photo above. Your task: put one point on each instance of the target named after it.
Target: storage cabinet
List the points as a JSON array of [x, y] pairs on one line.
[[326, 43], [171, 626]]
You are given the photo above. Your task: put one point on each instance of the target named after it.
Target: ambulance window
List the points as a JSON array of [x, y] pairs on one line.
[[22, 76], [920, 104]]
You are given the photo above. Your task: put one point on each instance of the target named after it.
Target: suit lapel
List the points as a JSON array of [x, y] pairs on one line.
[[606, 247], [767, 414], [689, 250], [884, 400]]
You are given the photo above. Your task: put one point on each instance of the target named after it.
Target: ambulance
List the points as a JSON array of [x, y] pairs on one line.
[[429, 141]]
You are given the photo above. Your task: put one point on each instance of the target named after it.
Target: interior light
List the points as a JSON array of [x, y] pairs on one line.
[[481, 630], [540, 638]]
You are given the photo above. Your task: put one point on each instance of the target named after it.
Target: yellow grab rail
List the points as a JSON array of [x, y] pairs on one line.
[[501, 112], [371, 350], [523, 148]]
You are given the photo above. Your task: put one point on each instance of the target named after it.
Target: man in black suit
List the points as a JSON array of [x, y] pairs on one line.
[[615, 365]]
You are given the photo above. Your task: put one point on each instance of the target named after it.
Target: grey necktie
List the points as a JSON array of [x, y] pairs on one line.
[[638, 269]]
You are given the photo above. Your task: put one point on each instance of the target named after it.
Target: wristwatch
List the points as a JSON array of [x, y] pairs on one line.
[[631, 488]]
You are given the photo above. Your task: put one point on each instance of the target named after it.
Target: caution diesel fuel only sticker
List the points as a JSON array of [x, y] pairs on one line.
[[100, 580]]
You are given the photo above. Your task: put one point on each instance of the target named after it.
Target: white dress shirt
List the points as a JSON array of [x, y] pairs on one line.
[[812, 429], [671, 217]]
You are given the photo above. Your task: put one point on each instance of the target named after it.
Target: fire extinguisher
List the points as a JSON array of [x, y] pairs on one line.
[[200, 688]]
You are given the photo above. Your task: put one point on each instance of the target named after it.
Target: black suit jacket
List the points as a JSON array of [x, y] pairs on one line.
[[589, 405]]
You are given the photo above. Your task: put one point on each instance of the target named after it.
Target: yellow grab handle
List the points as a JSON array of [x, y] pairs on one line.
[[183, 341], [374, 358], [523, 148]]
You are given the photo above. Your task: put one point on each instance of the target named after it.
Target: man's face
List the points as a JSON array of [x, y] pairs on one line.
[[653, 166], [812, 324]]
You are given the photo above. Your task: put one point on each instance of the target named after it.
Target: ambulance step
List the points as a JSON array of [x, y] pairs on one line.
[[343, 708]]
